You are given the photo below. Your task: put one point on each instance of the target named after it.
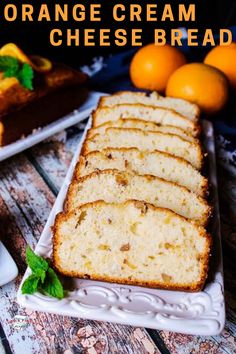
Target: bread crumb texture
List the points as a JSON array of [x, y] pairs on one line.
[[133, 243]]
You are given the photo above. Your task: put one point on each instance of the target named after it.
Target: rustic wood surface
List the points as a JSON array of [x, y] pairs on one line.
[[29, 183]]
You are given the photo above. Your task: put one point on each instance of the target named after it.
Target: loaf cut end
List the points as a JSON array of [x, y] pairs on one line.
[[134, 243]]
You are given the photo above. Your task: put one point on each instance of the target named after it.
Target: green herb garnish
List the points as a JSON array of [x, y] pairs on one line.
[[43, 277], [11, 67]]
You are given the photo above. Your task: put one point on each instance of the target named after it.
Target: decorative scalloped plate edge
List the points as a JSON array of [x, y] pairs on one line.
[[201, 313]]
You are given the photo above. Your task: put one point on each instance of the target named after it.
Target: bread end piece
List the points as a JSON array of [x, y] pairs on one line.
[[78, 253]]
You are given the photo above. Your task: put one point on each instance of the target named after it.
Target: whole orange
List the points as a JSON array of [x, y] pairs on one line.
[[224, 58], [201, 84], [152, 66]]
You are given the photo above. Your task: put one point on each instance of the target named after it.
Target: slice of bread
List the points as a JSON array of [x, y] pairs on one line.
[[134, 243], [143, 140], [154, 163], [157, 115], [141, 124], [187, 109], [114, 186]]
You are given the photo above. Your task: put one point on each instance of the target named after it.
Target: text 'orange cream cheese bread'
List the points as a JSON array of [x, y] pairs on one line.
[[131, 243], [187, 109]]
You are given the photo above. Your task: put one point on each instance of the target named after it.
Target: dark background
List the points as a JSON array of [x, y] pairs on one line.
[[33, 37]]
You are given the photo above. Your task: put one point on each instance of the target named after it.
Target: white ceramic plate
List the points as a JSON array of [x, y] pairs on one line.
[[8, 267], [41, 134], [201, 313]]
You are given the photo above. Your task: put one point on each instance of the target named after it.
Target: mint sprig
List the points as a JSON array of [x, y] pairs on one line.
[[25, 75], [11, 67], [52, 285], [37, 264], [43, 277], [7, 63], [30, 284]]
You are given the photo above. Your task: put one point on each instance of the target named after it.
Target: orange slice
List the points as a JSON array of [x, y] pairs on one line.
[[38, 63], [12, 50]]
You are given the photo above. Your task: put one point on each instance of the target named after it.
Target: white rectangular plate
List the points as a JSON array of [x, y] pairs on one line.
[[43, 133], [201, 313]]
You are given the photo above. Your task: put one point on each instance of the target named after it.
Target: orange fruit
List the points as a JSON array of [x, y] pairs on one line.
[[224, 59], [38, 63], [152, 66], [201, 84]]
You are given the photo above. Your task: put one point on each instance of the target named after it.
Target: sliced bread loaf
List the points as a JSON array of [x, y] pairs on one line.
[[157, 115], [187, 109], [134, 243], [143, 140], [141, 124], [154, 163], [114, 186]]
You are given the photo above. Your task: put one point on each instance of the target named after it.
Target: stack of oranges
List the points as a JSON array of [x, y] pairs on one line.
[[165, 69]]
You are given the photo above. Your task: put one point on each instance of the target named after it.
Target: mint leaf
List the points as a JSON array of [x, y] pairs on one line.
[[12, 68], [25, 75], [10, 72], [37, 264], [43, 277], [52, 285], [30, 284], [8, 63]]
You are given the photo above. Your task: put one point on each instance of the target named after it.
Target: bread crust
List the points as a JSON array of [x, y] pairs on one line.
[[151, 124], [101, 102], [196, 108], [192, 127], [56, 94], [194, 287], [204, 187], [200, 155], [75, 181]]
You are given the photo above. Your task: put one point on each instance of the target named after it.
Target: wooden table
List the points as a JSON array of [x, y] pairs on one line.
[[29, 183]]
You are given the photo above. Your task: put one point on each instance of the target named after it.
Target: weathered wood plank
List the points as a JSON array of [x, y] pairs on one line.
[[25, 203], [52, 158]]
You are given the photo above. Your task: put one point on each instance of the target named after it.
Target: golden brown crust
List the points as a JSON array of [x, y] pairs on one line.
[[194, 287], [151, 124], [69, 194], [83, 159], [69, 197], [143, 94], [84, 146], [200, 155], [192, 127], [118, 93], [56, 94], [60, 76]]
